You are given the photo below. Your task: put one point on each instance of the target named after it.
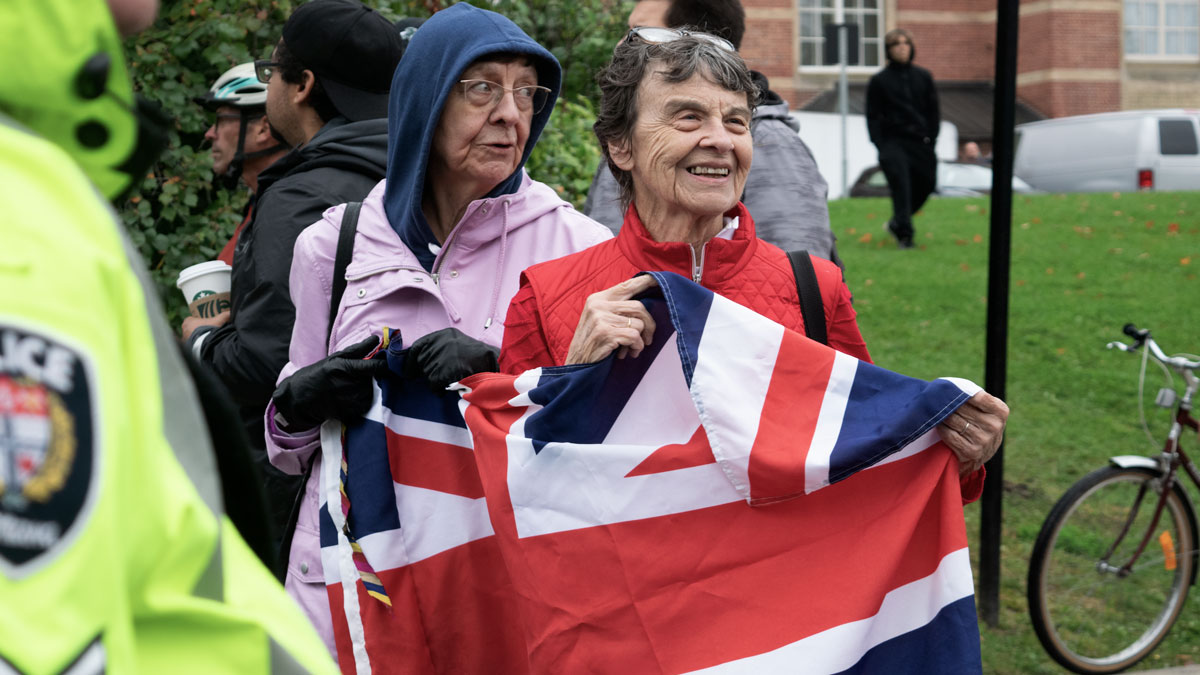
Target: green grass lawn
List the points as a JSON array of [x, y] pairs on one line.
[[1082, 266]]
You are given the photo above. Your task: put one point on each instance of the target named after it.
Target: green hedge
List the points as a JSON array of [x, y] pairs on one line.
[[179, 218]]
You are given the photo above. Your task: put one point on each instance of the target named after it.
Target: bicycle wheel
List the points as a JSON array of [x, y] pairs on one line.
[[1089, 615]]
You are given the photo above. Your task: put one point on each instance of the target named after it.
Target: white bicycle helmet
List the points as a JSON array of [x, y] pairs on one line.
[[238, 87]]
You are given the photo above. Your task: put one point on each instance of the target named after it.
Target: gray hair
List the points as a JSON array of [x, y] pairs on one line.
[[679, 60]]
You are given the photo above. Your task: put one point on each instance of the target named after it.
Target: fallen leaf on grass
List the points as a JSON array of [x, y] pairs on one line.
[[1020, 282], [972, 208], [1173, 228], [1149, 224], [1060, 351], [977, 238], [869, 282], [960, 242], [1081, 275], [866, 238], [852, 231], [1187, 260], [1049, 270], [1116, 213], [1143, 255], [1036, 221], [871, 216], [1116, 195], [1024, 226]]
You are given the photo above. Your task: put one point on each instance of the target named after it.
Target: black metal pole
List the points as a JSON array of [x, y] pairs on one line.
[[999, 254]]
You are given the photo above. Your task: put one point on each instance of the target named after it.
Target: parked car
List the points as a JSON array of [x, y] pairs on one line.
[[1118, 151], [954, 179]]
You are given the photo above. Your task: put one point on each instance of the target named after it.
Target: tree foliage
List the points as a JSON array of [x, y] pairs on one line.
[[180, 218]]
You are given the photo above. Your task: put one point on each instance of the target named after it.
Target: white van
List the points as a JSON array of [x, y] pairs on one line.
[[822, 133], [1118, 151]]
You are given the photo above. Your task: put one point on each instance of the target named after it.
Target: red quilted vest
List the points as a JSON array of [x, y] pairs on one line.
[[744, 269]]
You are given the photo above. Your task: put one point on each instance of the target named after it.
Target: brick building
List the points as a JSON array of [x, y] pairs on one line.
[[1074, 56]]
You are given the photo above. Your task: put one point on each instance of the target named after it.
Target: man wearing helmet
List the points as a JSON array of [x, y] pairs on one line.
[[241, 138]]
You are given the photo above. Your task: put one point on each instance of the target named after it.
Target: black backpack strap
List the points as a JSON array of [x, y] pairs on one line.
[[345, 250], [811, 306], [341, 260]]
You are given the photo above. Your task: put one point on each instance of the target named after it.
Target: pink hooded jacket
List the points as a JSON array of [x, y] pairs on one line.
[[474, 277]]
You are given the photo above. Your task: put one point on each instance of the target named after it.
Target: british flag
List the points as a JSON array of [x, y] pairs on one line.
[[737, 499]]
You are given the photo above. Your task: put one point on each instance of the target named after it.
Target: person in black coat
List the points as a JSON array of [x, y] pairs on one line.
[[903, 120], [327, 89]]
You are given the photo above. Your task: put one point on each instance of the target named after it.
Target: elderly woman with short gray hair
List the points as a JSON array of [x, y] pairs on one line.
[[674, 127]]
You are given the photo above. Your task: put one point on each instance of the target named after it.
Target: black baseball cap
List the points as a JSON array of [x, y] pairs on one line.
[[351, 49]]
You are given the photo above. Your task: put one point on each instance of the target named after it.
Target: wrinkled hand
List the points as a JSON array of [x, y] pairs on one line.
[[975, 430], [336, 387], [611, 321], [447, 356], [191, 323]]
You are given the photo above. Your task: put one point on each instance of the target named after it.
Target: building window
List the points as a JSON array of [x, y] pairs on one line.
[[867, 14], [1162, 29]]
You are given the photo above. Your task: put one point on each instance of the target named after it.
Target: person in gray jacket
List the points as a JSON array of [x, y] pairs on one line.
[[327, 89], [785, 191]]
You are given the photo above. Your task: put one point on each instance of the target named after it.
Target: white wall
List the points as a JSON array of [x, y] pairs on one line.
[[822, 132]]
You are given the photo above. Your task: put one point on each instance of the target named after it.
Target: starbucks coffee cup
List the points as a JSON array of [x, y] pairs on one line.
[[205, 287]]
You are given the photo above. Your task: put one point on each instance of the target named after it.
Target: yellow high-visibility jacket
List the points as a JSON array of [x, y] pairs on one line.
[[114, 553]]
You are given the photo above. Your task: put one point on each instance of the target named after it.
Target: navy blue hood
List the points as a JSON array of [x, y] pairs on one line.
[[439, 52]]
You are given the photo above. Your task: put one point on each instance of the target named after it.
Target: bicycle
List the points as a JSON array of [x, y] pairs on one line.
[[1116, 556]]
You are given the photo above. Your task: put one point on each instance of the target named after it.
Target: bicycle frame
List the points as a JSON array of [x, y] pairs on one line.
[[1172, 458]]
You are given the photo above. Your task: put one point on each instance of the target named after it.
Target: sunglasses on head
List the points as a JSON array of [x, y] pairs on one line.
[[655, 35]]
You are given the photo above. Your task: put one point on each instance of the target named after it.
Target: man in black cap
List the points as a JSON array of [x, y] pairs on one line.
[[327, 86]]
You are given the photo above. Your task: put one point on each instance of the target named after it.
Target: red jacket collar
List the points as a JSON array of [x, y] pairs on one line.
[[722, 257]]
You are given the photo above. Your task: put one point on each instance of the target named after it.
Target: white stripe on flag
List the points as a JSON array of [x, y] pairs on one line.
[[436, 522], [729, 385], [829, 422], [904, 609], [331, 467], [422, 429]]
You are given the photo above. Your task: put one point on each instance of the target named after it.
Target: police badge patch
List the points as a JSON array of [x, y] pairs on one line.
[[48, 459]]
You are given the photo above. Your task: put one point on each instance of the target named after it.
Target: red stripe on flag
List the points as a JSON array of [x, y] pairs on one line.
[[432, 465], [696, 452], [789, 417], [489, 423], [452, 613]]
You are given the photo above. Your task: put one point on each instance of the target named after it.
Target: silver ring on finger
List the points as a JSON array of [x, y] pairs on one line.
[[964, 429], [629, 322]]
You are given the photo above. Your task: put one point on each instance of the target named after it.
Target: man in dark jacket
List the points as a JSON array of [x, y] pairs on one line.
[[785, 192], [903, 121], [327, 85]]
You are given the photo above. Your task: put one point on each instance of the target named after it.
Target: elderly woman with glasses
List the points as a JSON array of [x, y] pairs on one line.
[[438, 253], [674, 126]]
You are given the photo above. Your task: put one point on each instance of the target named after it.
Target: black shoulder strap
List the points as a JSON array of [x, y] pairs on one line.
[[345, 250], [341, 260], [811, 307]]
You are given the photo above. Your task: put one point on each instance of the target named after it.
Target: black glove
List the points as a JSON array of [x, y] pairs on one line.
[[336, 387], [447, 356]]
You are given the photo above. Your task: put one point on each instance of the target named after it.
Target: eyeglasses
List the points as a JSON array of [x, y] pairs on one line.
[[656, 35], [485, 93], [264, 69]]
